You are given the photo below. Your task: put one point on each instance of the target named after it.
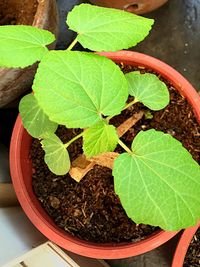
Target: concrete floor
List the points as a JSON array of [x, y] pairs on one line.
[[160, 257], [174, 39]]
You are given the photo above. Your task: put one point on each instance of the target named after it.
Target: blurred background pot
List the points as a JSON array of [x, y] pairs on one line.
[[183, 245], [38, 13], [134, 6]]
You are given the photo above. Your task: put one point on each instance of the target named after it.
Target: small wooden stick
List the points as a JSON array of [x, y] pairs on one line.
[[125, 126], [81, 165]]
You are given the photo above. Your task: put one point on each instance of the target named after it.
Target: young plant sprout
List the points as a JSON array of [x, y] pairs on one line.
[[157, 180]]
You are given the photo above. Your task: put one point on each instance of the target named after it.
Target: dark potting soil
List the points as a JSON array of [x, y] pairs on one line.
[[14, 12], [192, 258], [90, 209]]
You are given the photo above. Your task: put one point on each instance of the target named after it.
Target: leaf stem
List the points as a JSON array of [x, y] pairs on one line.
[[73, 139], [124, 147], [72, 44], [130, 104], [127, 106]]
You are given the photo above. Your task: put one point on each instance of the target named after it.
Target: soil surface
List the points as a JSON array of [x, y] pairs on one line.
[[192, 258], [90, 209], [14, 12]]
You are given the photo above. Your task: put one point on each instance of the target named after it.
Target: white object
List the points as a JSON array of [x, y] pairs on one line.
[[50, 255], [44, 255]]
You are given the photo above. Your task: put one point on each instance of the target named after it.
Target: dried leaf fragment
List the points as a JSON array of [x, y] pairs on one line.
[[80, 167]]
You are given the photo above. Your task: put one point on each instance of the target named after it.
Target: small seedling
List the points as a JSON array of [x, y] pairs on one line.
[[156, 179]]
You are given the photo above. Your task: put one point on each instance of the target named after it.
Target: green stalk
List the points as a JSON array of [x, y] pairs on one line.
[[72, 44], [130, 104], [73, 139], [124, 147], [127, 106]]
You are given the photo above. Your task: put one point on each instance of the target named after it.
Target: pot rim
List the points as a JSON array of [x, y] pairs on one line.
[[48, 228], [183, 245]]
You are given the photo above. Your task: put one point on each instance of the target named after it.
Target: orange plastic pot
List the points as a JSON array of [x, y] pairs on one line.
[[21, 170], [183, 245], [134, 6]]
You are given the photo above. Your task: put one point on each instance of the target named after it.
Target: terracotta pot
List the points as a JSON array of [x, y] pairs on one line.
[[14, 82], [183, 245], [134, 6], [21, 170]]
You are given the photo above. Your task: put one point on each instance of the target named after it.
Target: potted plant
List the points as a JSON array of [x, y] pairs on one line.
[[187, 251], [135, 6], [88, 93], [41, 14]]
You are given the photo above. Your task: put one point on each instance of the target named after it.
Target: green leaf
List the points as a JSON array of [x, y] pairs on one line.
[[159, 184], [107, 29], [21, 46], [56, 155], [99, 138], [80, 87], [148, 89], [34, 119]]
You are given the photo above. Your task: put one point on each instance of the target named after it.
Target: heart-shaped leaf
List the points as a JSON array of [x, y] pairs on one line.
[[159, 183], [107, 29], [99, 138], [80, 87], [56, 154], [148, 89], [35, 121], [21, 46]]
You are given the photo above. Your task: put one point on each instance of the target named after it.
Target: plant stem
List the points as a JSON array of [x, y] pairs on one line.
[[130, 104], [127, 106], [72, 44], [73, 139], [124, 147]]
